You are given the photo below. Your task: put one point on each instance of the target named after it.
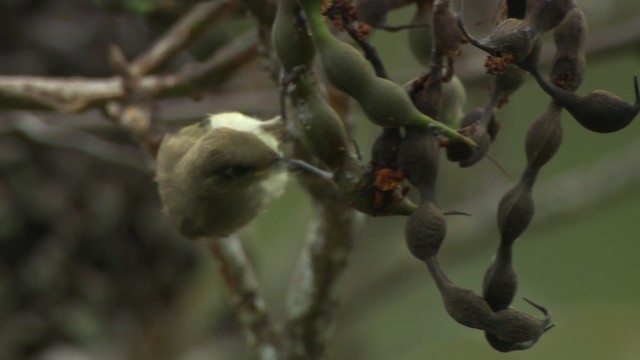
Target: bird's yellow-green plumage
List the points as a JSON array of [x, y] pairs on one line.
[[215, 176]]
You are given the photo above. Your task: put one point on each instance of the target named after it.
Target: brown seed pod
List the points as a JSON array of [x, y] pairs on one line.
[[521, 331], [420, 39], [545, 15], [512, 38], [506, 83], [569, 61], [418, 160], [509, 326], [384, 152], [544, 137], [500, 281], [425, 231], [479, 126], [516, 208], [447, 37], [599, 111]]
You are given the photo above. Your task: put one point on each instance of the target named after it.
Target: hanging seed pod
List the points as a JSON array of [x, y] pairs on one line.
[[469, 309], [454, 99], [545, 15], [425, 231], [290, 38], [447, 37], [420, 39], [516, 208], [599, 111], [384, 152], [384, 102], [317, 125], [544, 137], [569, 61], [510, 41], [474, 127], [500, 281], [524, 327], [418, 160], [505, 84]]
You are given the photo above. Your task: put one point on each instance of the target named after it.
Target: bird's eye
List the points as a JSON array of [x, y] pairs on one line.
[[231, 172]]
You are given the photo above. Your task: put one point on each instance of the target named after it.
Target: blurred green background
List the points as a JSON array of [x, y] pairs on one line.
[[125, 285]]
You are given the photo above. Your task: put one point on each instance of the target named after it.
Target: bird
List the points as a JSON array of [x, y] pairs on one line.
[[218, 174]]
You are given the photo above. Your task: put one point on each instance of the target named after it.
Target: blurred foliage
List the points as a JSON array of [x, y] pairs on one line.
[[90, 267]]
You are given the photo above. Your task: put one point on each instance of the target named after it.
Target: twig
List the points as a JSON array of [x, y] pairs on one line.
[[36, 130], [198, 19], [242, 287], [77, 93]]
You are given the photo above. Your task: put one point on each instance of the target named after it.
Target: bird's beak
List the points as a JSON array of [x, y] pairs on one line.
[[295, 165]]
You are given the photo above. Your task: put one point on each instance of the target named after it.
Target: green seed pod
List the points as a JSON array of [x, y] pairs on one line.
[[516, 209], [425, 231], [420, 39], [291, 40], [599, 111], [384, 102], [545, 15], [318, 126], [454, 99], [320, 129]]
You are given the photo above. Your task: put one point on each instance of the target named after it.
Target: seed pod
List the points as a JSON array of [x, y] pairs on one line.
[[473, 126], [599, 111], [500, 281], [513, 330], [569, 61], [512, 38], [516, 209], [454, 98], [418, 160], [447, 37], [384, 102], [506, 83], [384, 152], [318, 126], [509, 326], [291, 40], [545, 15], [544, 137], [420, 39], [425, 231]]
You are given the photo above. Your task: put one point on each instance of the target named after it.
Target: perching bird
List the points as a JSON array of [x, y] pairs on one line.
[[215, 176]]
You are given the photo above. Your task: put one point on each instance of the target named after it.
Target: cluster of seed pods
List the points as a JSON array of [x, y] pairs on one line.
[[409, 144]]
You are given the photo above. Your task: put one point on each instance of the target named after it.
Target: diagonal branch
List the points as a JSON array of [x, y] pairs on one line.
[[196, 21], [242, 286], [312, 298]]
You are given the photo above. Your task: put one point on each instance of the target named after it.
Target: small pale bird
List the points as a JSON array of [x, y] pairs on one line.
[[215, 176]]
